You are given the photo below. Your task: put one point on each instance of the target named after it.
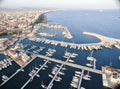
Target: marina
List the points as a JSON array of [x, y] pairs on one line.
[[21, 69], [92, 46], [58, 72], [44, 61], [105, 41], [65, 32], [35, 73]]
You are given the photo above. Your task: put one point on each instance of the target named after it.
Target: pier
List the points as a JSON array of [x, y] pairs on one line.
[[104, 41], [31, 78], [70, 64], [16, 72], [11, 77], [67, 63], [89, 46], [80, 80], [51, 83]]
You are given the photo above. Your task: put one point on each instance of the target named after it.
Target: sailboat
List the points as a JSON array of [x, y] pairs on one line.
[[87, 76], [43, 85], [90, 58], [58, 78], [89, 64]]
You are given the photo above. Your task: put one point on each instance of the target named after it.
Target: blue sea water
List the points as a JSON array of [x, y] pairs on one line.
[[105, 23]]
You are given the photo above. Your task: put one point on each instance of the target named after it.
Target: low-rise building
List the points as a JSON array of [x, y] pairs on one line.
[[25, 57]]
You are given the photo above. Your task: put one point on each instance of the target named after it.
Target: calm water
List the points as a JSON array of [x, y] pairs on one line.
[[105, 23]]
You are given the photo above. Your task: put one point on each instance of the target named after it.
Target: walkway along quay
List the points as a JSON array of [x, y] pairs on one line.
[[70, 64], [67, 63]]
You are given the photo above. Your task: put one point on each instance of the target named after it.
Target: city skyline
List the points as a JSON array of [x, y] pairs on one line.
[[62, 4]]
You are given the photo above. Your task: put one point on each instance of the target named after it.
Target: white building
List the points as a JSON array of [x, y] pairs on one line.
[[25, 57]]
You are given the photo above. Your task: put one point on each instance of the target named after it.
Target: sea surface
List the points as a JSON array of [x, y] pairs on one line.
[[105, 23]]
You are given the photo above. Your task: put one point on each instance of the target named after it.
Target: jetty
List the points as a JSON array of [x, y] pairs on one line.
[[106, 41], [51, 83], [50, 51], [67, 63], [31, 78], [70, 64], [86, 47], [80, 80]]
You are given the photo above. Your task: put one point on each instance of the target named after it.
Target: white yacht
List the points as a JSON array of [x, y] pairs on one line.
[[51, 76], [87, 76], [4, 77]]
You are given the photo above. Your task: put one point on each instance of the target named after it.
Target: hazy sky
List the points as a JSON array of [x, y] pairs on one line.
[[71, 4]]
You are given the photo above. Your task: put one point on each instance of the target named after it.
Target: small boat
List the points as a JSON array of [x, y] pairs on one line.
[[82, 88], [58, 65], [38, 75], [22, 70], [58, 79], [77, 72], [51, 76], [64, 68], [43, 85], [36, 68], [4, 78], [32, 73], [46, 66], [90, 58], [77, 75], [87, 76], [61, 73], [88, 64], [70, 61], [43, 68]]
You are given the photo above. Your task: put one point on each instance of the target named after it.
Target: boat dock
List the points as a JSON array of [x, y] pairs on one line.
[[11, 77], [86, 47], [42, 66], [31, 78], [70, 64], [104, 41], [80, 80], [67, 63], [22, 68], [51, 83]]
